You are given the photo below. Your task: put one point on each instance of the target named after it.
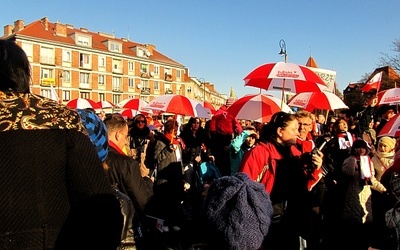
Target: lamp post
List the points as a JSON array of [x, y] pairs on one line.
[[282, 45], [204, 88], [60, 77]]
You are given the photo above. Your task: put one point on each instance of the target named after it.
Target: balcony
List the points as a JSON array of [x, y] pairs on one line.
[[168, 91], [145, 75], [47, 60], [168, 77], [85, 86], [117, 89], [85, 65], [145, 91]]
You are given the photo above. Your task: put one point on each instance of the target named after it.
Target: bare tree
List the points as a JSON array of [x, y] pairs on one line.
[[392, 60]]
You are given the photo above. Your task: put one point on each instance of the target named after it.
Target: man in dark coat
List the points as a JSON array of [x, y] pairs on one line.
[[55, 192]]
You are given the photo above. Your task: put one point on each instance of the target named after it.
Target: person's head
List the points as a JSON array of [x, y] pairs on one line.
[[252, 138], [171, 127], [15, 71], [321, 119], [117, 128], [97, 132], [305, 122], [340, 125], [360, 147], [386, 144], [194, 123], [140, 121], [283, 128], [237, 212]]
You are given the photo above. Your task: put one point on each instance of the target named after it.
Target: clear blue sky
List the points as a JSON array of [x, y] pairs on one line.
[[223, 40]]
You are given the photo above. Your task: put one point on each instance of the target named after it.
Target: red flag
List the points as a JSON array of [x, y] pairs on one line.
[[374, 83]]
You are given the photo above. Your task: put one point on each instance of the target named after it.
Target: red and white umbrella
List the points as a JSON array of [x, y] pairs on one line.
[[284, 76], [388, 96], [129, 113], [82, 103], [392, 127], [209, 106], [317, 100], [135, 103], [178, 105], [105, 104], [257, 107]]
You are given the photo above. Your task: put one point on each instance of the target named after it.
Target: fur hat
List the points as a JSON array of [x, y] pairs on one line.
[[237, 212], [389, 141], [96, 130]]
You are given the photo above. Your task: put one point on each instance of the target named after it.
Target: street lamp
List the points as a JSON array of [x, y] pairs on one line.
[[283, 51], [282, 45], [204, 88]]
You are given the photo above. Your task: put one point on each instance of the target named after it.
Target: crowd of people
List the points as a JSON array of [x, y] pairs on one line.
[[76, 179]]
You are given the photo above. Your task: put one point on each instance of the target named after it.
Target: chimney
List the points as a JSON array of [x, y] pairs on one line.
[[8, 29], [60, 29], [18, 25], [150, 47], [45, 22]]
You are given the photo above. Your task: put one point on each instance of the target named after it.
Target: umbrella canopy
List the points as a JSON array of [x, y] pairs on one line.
[[284, 76], [257, 107], [317, 100], [388, 96], [82, 103], [129, 113], [209, 106], [105, 104], [178, 105], [392, 127], [136, 104]]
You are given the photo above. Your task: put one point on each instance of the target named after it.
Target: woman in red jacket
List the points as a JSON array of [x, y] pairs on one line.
[[288, 176]]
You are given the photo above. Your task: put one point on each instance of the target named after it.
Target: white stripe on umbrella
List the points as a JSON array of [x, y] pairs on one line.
[[392, 127], [257, 107], [317, 100], [389, 96], [82, 103]]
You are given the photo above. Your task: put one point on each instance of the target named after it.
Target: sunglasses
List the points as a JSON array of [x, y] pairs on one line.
[[140, 121]]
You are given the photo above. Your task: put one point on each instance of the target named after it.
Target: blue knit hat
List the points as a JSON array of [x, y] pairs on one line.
[[237, 212], [97, 132]]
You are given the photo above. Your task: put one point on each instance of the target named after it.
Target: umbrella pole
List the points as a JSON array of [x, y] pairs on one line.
[[283, 92]]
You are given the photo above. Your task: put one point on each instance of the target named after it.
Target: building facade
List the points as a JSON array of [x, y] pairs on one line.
[[79, 63]]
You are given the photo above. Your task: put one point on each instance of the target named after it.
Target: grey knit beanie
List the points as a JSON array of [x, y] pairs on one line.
[[237, 212]]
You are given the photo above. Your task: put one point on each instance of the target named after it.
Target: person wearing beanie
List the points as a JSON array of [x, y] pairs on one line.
[[384, 155], [356, 222], [382, 161], [237, 213]]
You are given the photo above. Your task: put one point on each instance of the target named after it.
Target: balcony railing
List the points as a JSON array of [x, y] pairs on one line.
[[145, 91]]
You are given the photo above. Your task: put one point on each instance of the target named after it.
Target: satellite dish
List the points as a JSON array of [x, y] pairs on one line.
[[139, 86], [151, 73], [148, 53]]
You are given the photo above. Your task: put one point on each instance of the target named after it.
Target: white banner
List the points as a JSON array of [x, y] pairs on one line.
[[328, 76]]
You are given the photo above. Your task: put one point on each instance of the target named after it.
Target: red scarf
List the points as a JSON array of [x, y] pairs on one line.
[[115, 147]]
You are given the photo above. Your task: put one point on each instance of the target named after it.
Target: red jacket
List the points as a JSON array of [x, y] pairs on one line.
[[263, 154]]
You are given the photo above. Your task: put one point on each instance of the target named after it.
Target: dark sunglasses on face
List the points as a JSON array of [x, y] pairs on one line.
[[140, 121]]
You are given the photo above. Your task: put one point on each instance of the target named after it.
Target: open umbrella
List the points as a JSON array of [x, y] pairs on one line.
[[178, 105], [388, 96], [392, 127], [209, 106], [105, 104], [317, 100], [82, 103], [129, 113], [135, 103], [257, 107], [284, 76]]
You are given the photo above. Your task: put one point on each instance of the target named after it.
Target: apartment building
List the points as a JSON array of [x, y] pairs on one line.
[[100, 66]]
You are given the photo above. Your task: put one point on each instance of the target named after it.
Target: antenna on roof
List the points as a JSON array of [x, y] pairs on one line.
[[128, 33], [310, 51]]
